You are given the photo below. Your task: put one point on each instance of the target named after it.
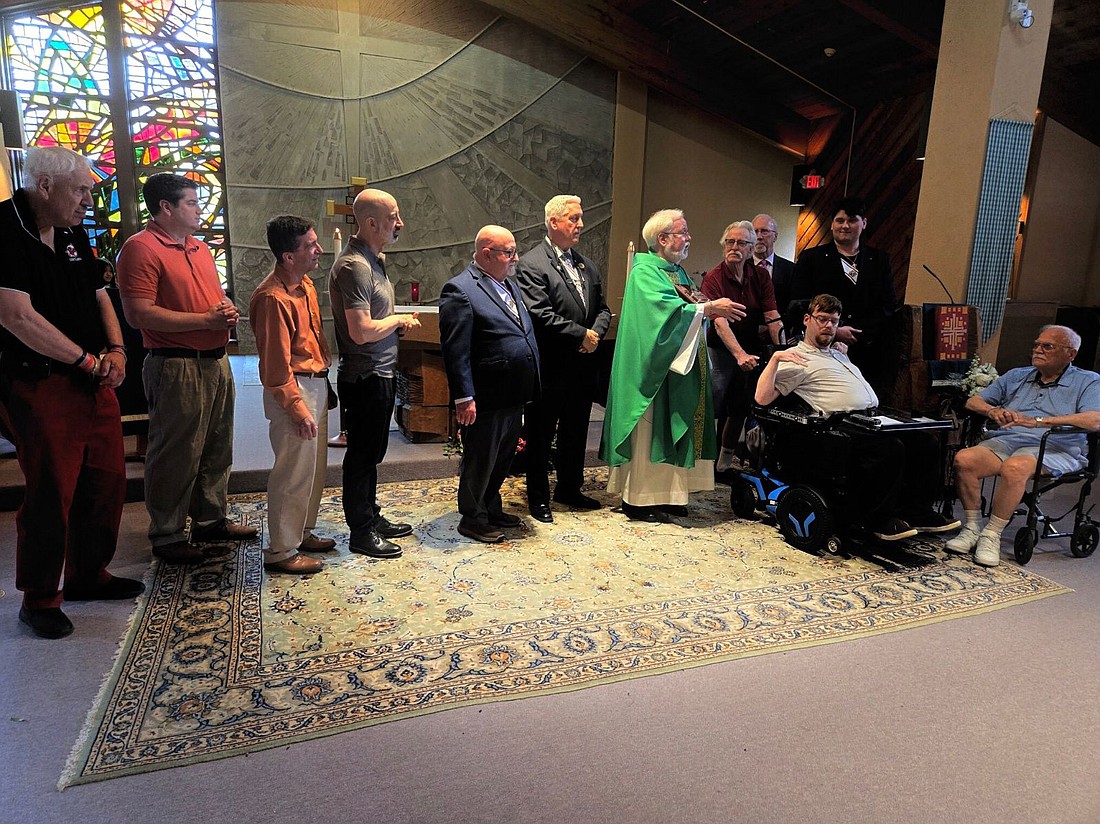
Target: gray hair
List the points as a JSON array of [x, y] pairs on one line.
[[1073, 340], [555, 206], [659, 223], [51, 162], [739, 224]]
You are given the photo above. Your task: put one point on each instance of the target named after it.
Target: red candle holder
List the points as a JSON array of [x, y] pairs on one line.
[[414, 291]]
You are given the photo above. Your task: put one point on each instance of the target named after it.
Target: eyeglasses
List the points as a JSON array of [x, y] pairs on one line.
[[1048, 347], [825, 320], [685, 234], [732, 242], [508, 253]]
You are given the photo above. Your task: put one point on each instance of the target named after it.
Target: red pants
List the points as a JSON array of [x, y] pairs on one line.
[[68, 439]]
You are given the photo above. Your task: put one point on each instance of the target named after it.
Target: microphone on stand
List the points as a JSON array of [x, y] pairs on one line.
[[940, 282]]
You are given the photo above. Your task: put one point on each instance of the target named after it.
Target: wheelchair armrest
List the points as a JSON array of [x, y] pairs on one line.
[[1065, 429]]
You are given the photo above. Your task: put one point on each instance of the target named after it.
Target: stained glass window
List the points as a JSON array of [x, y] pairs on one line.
[[165, 108]]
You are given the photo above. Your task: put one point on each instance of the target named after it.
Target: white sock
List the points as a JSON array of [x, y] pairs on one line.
[[995, 527], [970, 520]]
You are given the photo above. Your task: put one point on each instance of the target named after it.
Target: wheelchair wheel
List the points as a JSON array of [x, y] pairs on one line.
[[805, 519], [742, 498], [1085, 538], [1026, 539]]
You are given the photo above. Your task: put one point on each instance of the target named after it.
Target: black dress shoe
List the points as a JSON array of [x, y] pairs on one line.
[[376, 546], [506, 520], [578, 500], [480, 532], [50, 622], [679, 510], [180, 552], [116, 589], [223, 530], [647, 514], [391, 530], [541, 512]]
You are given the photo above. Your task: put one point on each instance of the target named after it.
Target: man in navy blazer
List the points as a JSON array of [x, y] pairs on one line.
[[492, 362], [564, 294], [861, 277]]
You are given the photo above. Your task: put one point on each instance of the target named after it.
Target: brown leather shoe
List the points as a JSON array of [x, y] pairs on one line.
[[312, 543], [223, 530], [180, 552], [480, 531], [296, 565]]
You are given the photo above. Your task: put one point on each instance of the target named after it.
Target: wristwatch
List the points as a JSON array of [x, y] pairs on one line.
[[1039, 420]]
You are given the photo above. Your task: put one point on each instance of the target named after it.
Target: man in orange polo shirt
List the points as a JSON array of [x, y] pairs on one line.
[[171, 292], [294, 364]]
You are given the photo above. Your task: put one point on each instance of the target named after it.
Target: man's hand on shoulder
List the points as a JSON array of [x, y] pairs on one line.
[[848, 334]]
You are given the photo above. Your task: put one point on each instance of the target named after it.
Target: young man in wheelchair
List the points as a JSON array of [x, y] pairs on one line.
[[892, 481], [1024, 402]]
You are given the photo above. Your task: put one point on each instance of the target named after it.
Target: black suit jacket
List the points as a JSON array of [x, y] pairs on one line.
[[560, 318], [868, 304], [489, 354], [782, 280]]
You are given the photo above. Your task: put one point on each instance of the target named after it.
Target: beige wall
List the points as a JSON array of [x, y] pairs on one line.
[[1060, 261], [716, 173], [988, 68]]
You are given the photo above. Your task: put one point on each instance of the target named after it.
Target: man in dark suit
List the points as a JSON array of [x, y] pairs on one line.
[[564, 294], [492, 362], [764, 257], [861, 278]]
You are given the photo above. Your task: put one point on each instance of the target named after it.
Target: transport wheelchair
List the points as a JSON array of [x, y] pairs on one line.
[[801, 473], [1038, 525]]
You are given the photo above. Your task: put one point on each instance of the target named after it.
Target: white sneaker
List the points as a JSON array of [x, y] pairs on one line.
[[988, 551], [964, 542]]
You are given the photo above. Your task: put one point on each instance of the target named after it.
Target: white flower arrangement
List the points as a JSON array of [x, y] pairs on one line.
[[978, 377]]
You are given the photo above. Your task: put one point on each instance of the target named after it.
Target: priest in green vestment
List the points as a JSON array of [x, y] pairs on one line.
[[658, 433]]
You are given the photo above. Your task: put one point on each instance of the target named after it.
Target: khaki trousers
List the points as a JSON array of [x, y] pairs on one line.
[[298, 478]]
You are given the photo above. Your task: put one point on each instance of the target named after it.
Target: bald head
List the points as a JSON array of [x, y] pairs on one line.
[[495, 252], [377, 217]]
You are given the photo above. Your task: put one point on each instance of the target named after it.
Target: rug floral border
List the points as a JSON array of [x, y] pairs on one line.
[[192, 684]]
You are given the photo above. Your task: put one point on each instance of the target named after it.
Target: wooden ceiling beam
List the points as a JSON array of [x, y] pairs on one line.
[[601, 31], [888, 24]]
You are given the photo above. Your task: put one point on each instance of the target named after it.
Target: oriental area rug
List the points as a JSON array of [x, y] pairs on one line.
[[222, 659]]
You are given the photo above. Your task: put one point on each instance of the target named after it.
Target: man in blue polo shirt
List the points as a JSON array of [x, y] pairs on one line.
[[1024, 403]]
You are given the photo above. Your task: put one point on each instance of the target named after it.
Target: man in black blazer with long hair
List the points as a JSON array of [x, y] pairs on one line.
[[861, 277], [492, 363], [564, 293]]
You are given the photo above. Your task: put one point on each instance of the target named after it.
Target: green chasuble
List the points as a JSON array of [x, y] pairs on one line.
[[655, 320]]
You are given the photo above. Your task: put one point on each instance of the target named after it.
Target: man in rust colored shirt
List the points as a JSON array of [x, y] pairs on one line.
[[171, 292], [294, 364]]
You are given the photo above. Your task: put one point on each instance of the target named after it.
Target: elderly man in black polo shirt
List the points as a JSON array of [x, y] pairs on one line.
[[61, 357]]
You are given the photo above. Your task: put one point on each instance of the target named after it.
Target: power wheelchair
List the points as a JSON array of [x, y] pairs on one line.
[[801, 469]]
